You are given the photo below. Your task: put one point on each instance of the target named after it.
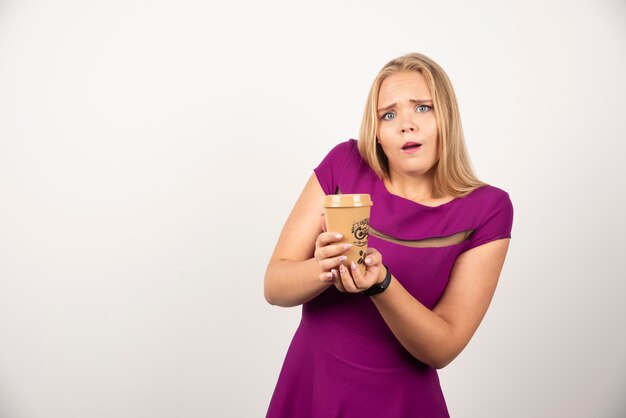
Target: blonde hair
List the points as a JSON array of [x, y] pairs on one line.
[[454, 175]]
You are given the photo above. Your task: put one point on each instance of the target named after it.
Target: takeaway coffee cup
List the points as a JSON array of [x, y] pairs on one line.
[[349, 214]]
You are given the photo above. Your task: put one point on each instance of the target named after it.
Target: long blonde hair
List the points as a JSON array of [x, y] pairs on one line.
[[454, 175]]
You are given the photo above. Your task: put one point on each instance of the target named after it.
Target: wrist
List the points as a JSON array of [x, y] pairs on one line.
[[379, 287], [382, 274]]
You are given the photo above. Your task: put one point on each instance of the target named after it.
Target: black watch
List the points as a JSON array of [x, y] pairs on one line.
[[379, 287]]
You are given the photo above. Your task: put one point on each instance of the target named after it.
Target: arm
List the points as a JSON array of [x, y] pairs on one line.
[[436, 337], [299, 267]]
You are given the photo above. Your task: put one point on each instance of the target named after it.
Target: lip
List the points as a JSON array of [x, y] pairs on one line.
[[411, 147]]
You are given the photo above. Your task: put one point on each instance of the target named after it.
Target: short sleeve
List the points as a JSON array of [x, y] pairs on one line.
[[330, 170], [497, 222]]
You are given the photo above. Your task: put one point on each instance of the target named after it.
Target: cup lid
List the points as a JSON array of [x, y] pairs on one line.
[[347, 200]]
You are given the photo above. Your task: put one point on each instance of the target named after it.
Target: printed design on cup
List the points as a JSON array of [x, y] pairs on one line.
[[361, 257], [360, 231]]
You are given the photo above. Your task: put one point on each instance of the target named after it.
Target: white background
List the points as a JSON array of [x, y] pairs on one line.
[[150, 152]]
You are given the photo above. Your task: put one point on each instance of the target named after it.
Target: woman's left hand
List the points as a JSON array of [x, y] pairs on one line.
[[351, 280]]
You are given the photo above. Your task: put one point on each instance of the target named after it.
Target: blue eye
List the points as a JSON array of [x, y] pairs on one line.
[[422, 108], [388, 116]]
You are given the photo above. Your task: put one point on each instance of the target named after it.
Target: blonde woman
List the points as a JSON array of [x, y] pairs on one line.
[[369, 344]]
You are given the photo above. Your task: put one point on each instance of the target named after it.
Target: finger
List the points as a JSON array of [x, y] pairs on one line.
[[337, 281], [326, 238], [326, 277], [360, 281], [373, 257], [333, 250], [330, 263], [346, 279]]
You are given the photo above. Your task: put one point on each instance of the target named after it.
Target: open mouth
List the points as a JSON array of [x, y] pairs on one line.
[[411, 145]]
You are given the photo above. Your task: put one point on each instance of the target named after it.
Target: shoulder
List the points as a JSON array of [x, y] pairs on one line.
[[489, 212], [488, 203], [485, 202], [344, 149], [340, 166], [341, 155], [487, 195]]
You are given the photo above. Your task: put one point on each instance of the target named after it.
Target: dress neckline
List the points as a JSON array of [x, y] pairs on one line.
[[409, 201]]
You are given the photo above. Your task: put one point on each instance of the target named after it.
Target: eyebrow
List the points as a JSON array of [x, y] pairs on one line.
[[418, 101]]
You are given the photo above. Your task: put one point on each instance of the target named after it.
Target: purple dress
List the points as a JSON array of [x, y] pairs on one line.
[[343, 360]]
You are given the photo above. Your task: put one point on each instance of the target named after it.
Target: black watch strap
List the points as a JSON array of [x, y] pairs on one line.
[[379, 287]]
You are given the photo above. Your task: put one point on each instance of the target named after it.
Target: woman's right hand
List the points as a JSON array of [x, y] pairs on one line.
[[305, 255], [329, 255]]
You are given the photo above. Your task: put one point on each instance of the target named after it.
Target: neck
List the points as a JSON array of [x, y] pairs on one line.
[[418, 189]]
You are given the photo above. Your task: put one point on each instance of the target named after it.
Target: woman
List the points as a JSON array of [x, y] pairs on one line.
[[438, 240]]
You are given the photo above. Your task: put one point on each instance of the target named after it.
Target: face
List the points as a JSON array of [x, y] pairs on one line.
[[407, 127]]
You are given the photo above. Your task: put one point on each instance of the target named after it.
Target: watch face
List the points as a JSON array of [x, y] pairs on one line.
[[377, 289], [374, 290]]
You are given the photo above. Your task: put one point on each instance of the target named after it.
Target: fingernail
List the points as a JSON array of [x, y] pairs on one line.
[[368, 260], [353, 266], [342, 258], [334, 273], [329, 277], [338, 236], [342, 268], [347, 246]]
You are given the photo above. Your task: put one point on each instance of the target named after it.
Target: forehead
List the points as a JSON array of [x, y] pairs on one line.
[[403, 85]]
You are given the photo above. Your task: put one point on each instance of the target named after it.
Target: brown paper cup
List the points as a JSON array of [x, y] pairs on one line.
[[349, 214]]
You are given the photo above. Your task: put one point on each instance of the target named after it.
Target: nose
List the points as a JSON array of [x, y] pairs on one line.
[[408, 126]]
